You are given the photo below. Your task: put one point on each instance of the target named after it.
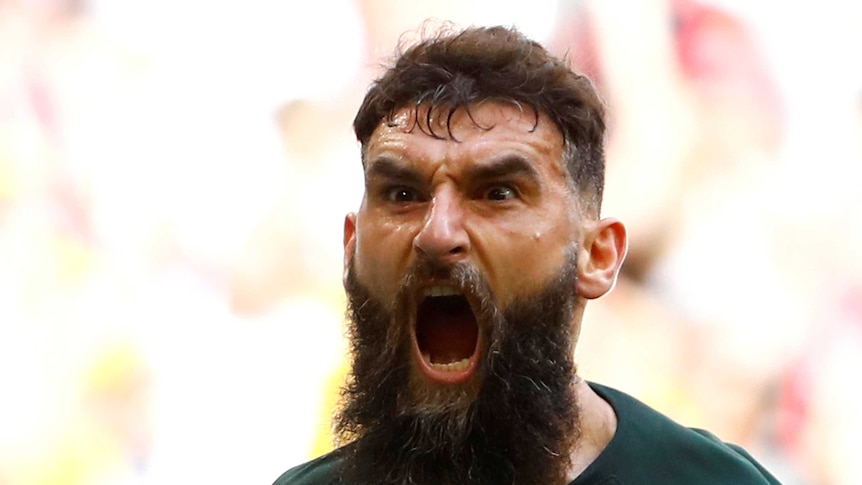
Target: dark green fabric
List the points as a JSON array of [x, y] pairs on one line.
[[319, 471], [647, 449], [650, 449]]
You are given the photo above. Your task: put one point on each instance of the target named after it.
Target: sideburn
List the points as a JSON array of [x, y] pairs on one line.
[[519, 427]]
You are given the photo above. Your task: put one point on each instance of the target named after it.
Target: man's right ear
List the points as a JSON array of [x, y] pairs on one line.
[[349, 240]]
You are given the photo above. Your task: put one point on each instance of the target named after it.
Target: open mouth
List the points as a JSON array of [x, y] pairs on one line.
[[447, 335]]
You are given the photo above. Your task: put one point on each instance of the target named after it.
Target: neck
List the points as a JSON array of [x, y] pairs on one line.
[[598, 425]]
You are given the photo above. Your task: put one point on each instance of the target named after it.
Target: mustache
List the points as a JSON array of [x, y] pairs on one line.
[[465, 276]]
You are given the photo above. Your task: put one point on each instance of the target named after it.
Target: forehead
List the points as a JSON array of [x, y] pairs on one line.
[[476, 130]]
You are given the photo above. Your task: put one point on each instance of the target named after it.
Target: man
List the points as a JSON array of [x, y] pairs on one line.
[[467, 269]]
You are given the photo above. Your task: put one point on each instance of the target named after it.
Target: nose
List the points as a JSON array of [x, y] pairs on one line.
[[443, 236]]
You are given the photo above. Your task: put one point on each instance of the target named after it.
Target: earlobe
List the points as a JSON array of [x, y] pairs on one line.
[[601, 257], [349, 240]]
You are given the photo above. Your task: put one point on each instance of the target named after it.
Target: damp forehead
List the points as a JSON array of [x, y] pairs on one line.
[[492, 121], [442, 120]]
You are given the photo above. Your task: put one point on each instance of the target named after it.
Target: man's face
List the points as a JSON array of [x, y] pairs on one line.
[[461, 270], [491, 192]]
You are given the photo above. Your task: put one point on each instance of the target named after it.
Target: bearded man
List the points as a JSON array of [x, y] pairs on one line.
[[468, 267]]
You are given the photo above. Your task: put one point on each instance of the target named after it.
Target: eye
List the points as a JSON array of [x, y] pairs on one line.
[[401, 194], [500, 193]]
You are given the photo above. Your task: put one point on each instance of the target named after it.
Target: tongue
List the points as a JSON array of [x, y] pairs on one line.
[[448, 334]]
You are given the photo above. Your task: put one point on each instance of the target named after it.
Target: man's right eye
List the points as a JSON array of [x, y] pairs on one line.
[[401, 194]]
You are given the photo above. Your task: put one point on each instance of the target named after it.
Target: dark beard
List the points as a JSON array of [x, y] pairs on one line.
[[518, 425]]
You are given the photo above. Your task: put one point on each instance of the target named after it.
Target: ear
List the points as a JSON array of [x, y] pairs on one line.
[[349, 240], [600, 258]]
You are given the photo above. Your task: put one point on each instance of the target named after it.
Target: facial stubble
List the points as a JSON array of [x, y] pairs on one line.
[[516, 422]]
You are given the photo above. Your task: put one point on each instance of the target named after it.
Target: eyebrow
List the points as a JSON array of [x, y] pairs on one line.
[[507, 166], [389, 168]]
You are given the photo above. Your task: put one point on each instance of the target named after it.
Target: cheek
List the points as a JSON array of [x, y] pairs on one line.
[[382, 254], [521, 257]]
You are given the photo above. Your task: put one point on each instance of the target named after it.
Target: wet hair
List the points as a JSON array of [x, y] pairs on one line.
[[455, 70]]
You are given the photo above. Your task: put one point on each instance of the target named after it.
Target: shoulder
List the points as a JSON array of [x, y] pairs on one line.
[[649, 447], [320, 471]]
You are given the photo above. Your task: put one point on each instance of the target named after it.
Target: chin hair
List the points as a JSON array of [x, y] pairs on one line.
[[516, 422]]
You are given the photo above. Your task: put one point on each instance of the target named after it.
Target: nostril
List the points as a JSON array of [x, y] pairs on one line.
[[440, 248]]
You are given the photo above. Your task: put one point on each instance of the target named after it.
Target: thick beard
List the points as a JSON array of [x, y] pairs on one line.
[[517, 425]]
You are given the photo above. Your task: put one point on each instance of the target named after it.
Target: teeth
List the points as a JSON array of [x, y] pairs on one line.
[[441, 291], [452, 366]]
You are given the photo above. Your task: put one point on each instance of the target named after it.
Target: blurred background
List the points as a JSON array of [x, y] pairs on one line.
[[173, 180]]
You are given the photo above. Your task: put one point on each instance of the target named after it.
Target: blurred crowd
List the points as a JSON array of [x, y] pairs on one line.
[[173, 180]]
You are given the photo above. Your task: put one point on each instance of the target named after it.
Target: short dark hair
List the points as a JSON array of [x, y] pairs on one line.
[[454, 70]]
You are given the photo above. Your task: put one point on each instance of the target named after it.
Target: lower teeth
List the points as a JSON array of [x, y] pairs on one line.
[[452, 366]]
